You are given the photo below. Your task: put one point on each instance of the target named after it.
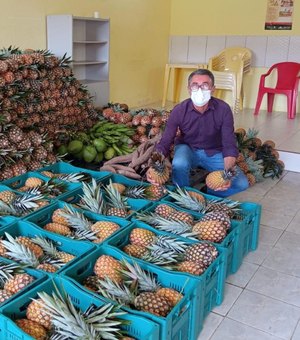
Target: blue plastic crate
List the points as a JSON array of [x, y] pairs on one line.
[[232, 242], [138, 327], [134, 204], [40, 219], [251, 215], [67, 168], [17, 182], [180, 322], [128, 182], [76, 248], [213, 277], [38, 278], [7, 219]]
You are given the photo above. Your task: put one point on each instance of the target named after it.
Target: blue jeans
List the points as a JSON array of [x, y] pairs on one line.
[[186, 159]]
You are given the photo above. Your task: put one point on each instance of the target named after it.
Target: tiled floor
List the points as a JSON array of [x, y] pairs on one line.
[[262, 300]]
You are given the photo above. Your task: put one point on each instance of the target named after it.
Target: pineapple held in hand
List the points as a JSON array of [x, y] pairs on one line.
[[219, 179], [159, 170]]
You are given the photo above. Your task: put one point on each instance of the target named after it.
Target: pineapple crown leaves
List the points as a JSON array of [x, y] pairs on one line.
[[52, 187], [185, 200], [160, 256], [19, 252], [169, 225], [48, 246], [22, 204], [92, 198], [114, 198], [134, 273], [75, 218], [74, 177], [118, 292], [7, 209], [136, 191], [71, 323], [165, 242], [8, 270], [84, 235]]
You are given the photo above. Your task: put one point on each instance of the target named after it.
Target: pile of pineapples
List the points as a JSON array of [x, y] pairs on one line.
[[257, 159], [128, 284], [148, 122], [41, 103]]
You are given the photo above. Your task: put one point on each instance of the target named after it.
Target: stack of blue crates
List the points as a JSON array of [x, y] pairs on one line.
[[201, 293]]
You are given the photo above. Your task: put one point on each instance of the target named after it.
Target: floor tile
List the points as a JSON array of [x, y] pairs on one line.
[[296, 335], [243, 275], [276, 285], [259, 255], [269, 235], [275, 220], [294, 224], [211, 323], [289, 240], [231, 293], [284, 260], [280, 205], [266, 314], [233, 330]]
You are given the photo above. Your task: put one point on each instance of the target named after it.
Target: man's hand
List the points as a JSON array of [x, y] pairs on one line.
[[229, 162]]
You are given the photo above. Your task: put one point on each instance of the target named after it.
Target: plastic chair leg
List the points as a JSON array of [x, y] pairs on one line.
[[258, 102], [270, 101], [292, 114]]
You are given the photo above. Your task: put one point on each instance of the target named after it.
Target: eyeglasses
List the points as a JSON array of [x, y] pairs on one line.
[[195, 87]]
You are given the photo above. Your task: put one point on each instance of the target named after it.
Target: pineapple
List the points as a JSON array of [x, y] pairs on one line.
[[36, 312], [153, 303], [173, 214], [91, 282], [104, 229], [58, 228], [57, 217], [18, 282], [32, 328], [107, 266], [135, 250], [33, 182], [7, 196], [159, 171], [218, 178], [27, 242], [191, 200], [141, 237], [191, 267], [203, 253], [116, 204], [210, 230], [4, 295]]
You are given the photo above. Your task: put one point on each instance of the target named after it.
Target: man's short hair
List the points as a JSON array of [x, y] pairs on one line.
[[202, 72]]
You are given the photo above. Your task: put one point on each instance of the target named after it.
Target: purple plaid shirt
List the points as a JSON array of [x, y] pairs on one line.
[[212, 130]]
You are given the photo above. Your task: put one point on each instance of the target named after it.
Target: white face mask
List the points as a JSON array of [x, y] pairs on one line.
[[200, 97]]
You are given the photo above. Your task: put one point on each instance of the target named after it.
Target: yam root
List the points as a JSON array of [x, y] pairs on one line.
[[142, 158], [107, 167], [129, 174], [120, 159]]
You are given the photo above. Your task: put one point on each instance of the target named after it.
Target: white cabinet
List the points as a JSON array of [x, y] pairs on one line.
[[86, 42]]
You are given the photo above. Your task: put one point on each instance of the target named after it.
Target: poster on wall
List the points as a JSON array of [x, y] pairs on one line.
[[279, 15]]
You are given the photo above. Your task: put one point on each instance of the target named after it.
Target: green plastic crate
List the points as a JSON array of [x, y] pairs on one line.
[[180, 323], [138, 327], [24, 228], [40, 219]]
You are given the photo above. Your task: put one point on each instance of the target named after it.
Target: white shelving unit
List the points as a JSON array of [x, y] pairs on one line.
[[86, 41]]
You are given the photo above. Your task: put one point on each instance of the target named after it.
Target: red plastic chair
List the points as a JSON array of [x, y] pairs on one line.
[[287, 83]]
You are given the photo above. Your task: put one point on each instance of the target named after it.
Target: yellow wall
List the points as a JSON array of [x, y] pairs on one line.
[[229, 17], [139, 39], [140, 32]]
